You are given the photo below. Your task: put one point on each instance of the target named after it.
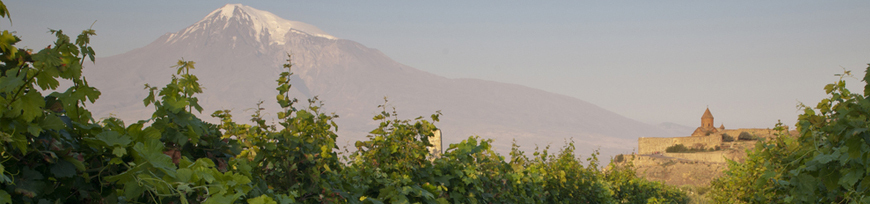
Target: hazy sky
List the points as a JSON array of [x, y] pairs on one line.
[[751, 62]]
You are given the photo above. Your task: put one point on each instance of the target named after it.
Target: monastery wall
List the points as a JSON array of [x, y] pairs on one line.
[[647, 161], [717, 156], [765, 132], [649, 145]]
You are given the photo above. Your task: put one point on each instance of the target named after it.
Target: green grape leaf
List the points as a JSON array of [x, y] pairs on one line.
[[20, 141], [133, 189], [6, 38], [5, 198], [78, 164], [220, 198], [867, 81], [34, 129], [174, 105], [152, 133], [30, 183], [3, 177], [152, 152], [46, 80], [112, 138], [91, 53], [30, 104], [850, 178], [92, 93], [825, 158], [262, 199], [10, 83], [119, 151], [52, 122], [184, 175], [63, 169]]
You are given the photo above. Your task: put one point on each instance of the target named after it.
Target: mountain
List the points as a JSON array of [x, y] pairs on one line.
[[239, 51], [676, 130]]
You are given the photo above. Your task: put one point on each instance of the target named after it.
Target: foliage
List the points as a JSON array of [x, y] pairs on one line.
[[53, 151], [680, 148], [746, 136], [297, 162], [619, 158], [697, 194], [727, 138], [677, 148], [826, 163], [628, 188]]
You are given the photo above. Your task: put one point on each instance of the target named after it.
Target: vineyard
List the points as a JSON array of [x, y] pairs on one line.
[[52, 150]]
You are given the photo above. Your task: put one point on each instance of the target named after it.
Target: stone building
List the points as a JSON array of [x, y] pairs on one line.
[[435, 151], [706, 125]]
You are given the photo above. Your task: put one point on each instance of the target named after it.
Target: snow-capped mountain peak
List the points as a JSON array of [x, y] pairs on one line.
[[261, 22]]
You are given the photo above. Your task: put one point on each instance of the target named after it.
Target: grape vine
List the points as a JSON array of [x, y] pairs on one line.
[[826, 163], [53, 151]]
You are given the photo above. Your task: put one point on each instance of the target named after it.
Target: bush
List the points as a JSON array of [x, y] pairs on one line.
[[678, 148], [727, 138], [619, 158], [746, 136]]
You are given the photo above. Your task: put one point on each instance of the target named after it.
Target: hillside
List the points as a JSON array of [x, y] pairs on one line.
[[697, 168]]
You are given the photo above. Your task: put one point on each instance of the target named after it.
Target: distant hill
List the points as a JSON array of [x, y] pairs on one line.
[[676, 130], [239, 51]]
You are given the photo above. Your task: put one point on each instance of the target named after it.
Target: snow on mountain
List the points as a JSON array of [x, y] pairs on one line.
[[239, 51], [263, 24]]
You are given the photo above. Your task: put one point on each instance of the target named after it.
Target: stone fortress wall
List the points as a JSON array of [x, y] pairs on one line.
[[706, 136], [650, 145], [717, 156], [760, 132]]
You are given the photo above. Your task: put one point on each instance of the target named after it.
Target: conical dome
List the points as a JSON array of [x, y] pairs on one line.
[[707, 114]]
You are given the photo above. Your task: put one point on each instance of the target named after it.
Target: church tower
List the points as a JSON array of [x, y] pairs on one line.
[[706, 125], [707, 119]]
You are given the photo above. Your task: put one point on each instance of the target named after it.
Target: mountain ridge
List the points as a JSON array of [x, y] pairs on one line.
[[237, 70]]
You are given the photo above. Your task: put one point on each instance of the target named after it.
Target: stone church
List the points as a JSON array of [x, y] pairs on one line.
[[707, 125]]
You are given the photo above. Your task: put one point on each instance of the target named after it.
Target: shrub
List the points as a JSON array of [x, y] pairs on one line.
[[746, 136], [619, 158], [727, 138], [677, 149], [680, 148]]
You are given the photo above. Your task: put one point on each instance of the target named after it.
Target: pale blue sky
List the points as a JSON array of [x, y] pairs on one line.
[[664, 61]]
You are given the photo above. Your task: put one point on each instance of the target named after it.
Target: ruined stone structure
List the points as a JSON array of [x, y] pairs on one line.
[[435, 139], [706, 125]]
